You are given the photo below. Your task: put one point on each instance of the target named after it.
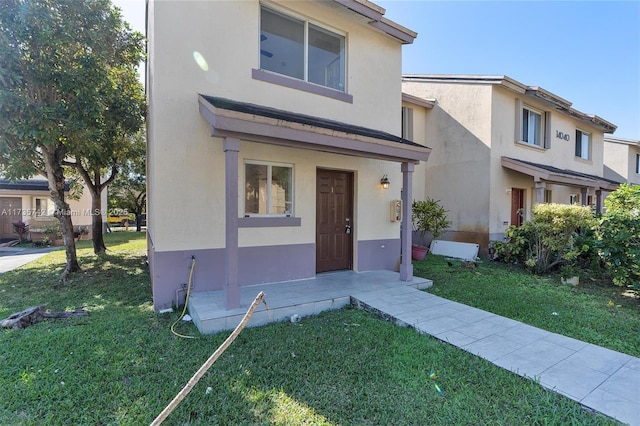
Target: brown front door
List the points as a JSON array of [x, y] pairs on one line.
[[334, 220], [10, 212], [517, 206]]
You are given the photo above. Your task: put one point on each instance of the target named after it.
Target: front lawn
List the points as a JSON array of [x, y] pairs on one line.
[[594, 311], [121, 364]]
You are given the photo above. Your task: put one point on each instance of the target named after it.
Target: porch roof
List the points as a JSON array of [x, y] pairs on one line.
[[544, 172], [229, 118]]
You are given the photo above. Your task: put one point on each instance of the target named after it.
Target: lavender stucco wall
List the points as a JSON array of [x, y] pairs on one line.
[[379, 254], [170, 269]]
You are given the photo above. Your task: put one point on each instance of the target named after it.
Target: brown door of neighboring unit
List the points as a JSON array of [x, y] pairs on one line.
[[334, 220], [10, 212], [517, 206]]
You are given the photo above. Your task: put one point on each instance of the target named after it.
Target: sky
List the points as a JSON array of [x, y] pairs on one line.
[[587, 52]]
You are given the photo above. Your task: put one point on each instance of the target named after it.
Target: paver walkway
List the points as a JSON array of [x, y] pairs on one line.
[[598, 378]]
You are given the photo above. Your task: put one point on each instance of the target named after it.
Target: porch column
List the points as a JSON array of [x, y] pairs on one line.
[[540, 187], [583, 195], [406, 267], [231, 147], [598, 201]]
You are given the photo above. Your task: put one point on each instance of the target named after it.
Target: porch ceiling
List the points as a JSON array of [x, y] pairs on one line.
[[229, 118], [546, 173]]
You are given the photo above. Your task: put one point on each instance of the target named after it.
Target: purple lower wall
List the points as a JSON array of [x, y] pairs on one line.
[[379, 254], [170, 269], [276, 263]]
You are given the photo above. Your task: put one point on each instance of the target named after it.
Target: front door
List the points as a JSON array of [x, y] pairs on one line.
[[334, 220], [517, 206], [10, 212]]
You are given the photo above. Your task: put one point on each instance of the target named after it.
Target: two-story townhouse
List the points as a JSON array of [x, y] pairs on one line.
[[28, 201], [622, 160], [499, 147], [274, 148]]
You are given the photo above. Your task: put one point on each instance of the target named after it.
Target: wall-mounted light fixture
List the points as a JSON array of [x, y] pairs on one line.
[[385, 182]]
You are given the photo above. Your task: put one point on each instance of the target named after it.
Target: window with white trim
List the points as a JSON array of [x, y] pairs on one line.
[[583, 145], [268, 189], [43, 207], [407, 123], [638, 164], [532, 127], [297, 48], [574, 199], [547, 196]]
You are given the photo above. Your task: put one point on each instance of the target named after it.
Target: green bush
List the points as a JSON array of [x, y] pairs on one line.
[[429, 216], [619, 236], [558, 234]]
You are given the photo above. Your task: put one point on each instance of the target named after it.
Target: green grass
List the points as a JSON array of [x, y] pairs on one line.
[[595, 311], [121, 364]]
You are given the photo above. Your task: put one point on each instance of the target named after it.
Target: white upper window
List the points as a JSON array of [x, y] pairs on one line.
[[583, 145], [407, 123], [532, 127], [297, 48], [268, 189]]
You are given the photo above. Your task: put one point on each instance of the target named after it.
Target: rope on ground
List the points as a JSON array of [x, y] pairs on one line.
[[209, 362]]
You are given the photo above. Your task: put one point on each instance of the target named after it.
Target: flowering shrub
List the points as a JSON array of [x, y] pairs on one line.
[[558, 234], [22, 229]]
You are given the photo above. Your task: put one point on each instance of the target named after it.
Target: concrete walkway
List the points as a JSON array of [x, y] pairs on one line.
[[12, 258], [598, 378]]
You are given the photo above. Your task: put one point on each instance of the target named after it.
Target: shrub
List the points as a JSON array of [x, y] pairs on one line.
[[429, 216], [21, 229], [558, 234], [619, 232]]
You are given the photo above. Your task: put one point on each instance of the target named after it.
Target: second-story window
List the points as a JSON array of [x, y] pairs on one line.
[[583, 145], [300, 49], [532, 130], [407, 123]]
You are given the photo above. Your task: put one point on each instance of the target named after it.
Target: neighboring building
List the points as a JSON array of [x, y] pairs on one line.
[[622, 160], [271, 126], [29, 201], [499, 147]]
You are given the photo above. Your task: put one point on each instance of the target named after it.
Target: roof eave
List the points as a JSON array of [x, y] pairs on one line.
[[560, 104], [375, 14], [426, 103]]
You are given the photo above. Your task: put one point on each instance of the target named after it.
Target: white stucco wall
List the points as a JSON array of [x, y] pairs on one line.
[[472, 126], [186, 165], [458, 129], [620, 162], [80, 209]]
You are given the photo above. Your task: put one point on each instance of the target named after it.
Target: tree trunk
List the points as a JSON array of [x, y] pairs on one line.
[[138, 221], [53, 158], [96, 222]]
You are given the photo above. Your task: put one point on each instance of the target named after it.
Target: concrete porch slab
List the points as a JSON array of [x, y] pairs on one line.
[[301, 297]]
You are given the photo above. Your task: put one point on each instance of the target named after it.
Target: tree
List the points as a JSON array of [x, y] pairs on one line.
[[129, 189], [59, 62], [118, 142]]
